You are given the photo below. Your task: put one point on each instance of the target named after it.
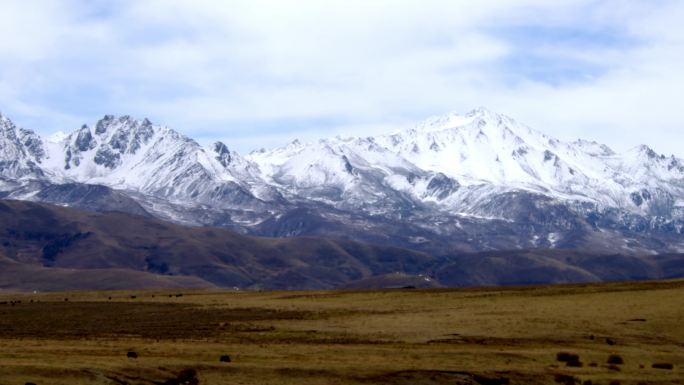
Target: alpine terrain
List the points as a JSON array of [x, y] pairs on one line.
[[452, 185]]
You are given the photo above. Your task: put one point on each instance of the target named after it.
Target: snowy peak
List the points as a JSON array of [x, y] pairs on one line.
[[335, 161], [305, 165], [20, 151], [643, 163], [234, 164], [125, 135], [349, 173], [647, 156], [593, 148], [479, 121], [106, 146], [456, 120], [478, 147], [137, 155], [485, 147], [21, 139]]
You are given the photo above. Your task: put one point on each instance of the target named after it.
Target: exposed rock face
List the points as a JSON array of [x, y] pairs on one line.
[[441, 186], [222, 154], [32, 143]]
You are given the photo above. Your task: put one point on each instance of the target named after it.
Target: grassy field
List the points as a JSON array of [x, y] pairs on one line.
[[474, 336]]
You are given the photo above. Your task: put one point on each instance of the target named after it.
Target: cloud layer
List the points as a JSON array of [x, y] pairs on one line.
[[259, 73]]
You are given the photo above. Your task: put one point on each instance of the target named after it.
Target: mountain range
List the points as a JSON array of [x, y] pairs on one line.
[[455, 183]]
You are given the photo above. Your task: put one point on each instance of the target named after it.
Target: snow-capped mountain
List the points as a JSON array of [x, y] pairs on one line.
[[452, 173], [457, 182], [137, 156], [478, 151], [487, 148], [128, 154]]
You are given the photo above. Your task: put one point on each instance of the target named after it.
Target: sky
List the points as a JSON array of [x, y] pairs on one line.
[[259, 73]]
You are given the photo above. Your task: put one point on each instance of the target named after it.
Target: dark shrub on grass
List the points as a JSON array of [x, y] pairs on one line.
[[566, 357], [574, 364], [185, 377], [614, 359], [565, 379]]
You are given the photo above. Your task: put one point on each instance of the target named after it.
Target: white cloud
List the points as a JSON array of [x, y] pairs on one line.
[[248, 69]]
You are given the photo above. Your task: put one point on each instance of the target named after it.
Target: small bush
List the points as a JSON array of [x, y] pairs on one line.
[[574, 364], [565, 379], [566, 357], [614, 359], [662, 365]]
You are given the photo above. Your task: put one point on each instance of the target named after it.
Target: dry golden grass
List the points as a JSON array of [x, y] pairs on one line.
[[476, 336]]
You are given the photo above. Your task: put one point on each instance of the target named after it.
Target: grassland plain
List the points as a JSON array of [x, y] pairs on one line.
[[461, 336]]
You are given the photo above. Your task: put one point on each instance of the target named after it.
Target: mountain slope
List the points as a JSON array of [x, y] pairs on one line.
[[46, 247], [45, 236], [347, 174]]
